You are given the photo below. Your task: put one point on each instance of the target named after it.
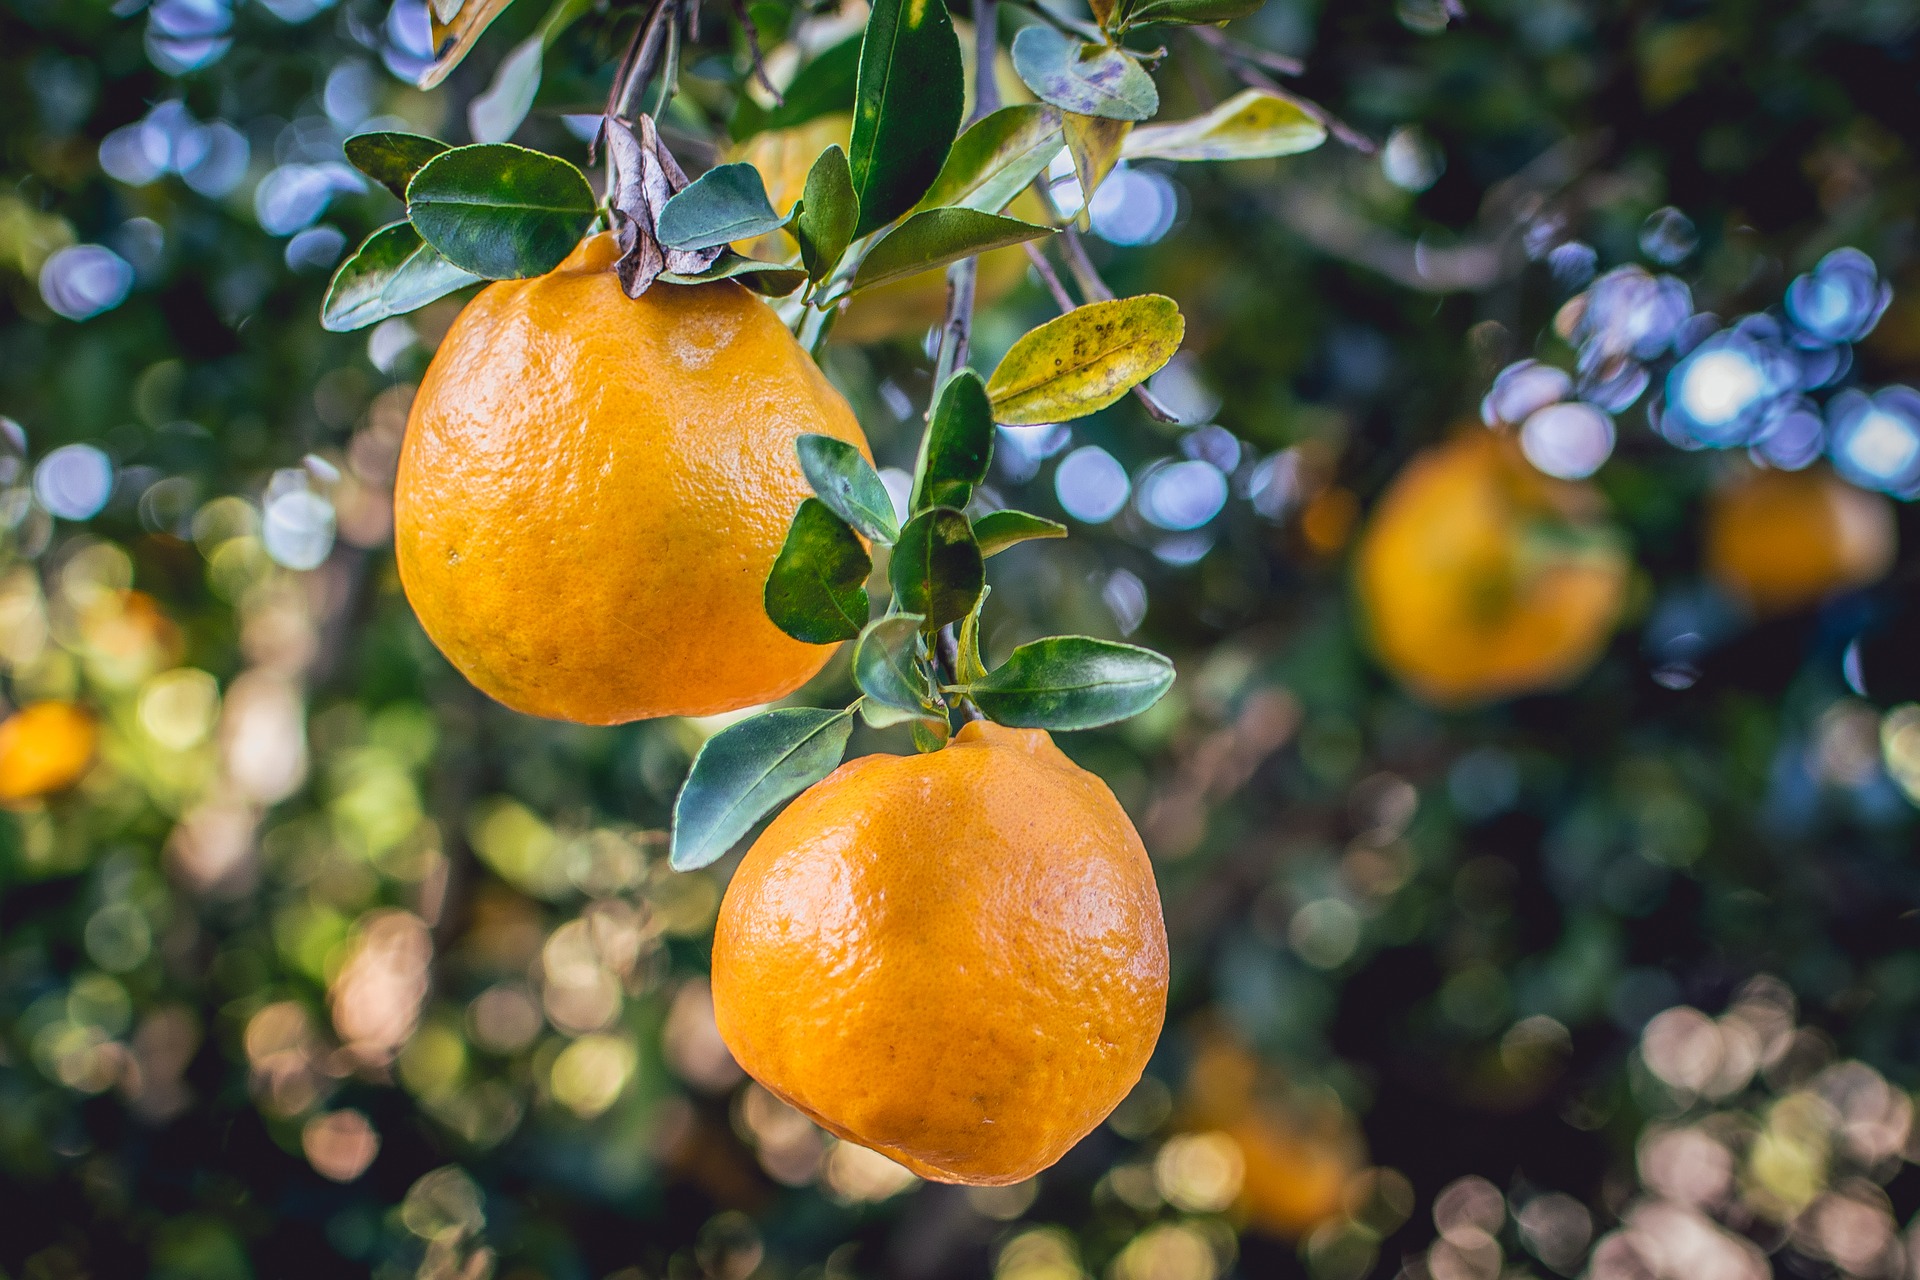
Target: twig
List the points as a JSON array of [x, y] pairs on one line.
[[986, 56], [956, 331], [753, 49], [1248, 69], [1085, 274], [1049, 277], [1277, 63], [636, 71]]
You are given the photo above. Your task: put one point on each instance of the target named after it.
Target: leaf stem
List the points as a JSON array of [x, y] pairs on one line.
[[957, 331]]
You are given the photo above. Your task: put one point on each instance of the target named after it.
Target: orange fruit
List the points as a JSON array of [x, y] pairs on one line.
[[902, 307], [1782, 540], [1295, 1170], [44, 748], [956, 959], [1481, 578], [593, 487]]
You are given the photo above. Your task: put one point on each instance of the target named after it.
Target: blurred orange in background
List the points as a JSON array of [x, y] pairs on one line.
[[44, 748], [1482, 579], [1782, 540]]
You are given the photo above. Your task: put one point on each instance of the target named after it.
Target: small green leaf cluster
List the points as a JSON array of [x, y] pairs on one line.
[[907, 664]]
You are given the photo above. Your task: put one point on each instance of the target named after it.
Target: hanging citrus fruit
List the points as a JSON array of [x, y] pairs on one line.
[[1782, 540], [44, 748], [1481, 578], [593, 488], [956, 959]]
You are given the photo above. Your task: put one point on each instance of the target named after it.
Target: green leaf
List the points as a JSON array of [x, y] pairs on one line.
[[1092, 79], [1191, 13], [829, 211], [886, 666], [726, 203], [906, 107], [1072, 682], [849, 485], [1084, 360], [997, 158], [391, 159], [958, 445], [817, 589], [820, 88], [936, 568], [936, 237], [748, 770], [767, 278], [967, 667], [500, 211], [392, 273], [998, 530], [1252, 125], [930, 735]]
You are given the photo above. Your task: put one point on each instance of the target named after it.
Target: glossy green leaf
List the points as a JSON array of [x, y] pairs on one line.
[[726, 203], [829, 211], [935, 237], [1083, 361], [391, 159], [1072, 682], [998, 530], [817, 589], [886, 667], [997, 158], [1252, 125], [930, 735], [1075, 75], [906, 108], [1188, 12], [500, 211], [767, 278], [746, 771], [936, 568], [848, 484], [957, 448], [393, 273]]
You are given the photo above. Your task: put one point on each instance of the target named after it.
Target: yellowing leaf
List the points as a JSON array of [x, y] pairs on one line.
[[1094, 142], [454, 37], [1252, 125], [1084, 360]]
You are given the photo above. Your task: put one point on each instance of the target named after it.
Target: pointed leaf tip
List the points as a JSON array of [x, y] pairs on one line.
[[747, 770]]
